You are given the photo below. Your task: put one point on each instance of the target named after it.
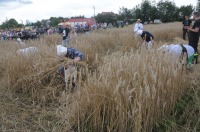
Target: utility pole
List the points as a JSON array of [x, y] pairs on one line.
[[7, 26], [22, 23], [94, 11]]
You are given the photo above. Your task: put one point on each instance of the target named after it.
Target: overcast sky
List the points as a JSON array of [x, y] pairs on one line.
[[33, 10]]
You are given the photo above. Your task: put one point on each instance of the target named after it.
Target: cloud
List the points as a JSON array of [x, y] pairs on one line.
[[25, 1], [19, 1], [6, 1]]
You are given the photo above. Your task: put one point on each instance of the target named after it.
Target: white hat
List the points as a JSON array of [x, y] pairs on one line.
[[139, 32], [61, 50]]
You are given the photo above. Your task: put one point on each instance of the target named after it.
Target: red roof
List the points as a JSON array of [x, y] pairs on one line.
[[90, 21]]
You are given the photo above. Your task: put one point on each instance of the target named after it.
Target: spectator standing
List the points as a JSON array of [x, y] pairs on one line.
[[138, 26], [65, 35], [194, 34], [186, 23]]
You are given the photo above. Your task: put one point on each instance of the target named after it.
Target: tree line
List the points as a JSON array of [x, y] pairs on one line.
[[165, 10], [12, 23]]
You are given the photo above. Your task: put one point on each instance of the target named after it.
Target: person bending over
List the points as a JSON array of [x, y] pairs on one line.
[[148, 38], [180, 50], [69, 72]]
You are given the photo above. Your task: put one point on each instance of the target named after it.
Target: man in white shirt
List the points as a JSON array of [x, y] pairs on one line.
[[138, 26]]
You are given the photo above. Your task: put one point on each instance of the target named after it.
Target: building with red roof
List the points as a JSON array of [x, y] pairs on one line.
[[82, 21]]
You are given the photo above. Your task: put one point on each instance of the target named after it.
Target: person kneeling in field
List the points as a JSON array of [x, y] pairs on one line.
[[69, 72], [148, 38], [180, 50]]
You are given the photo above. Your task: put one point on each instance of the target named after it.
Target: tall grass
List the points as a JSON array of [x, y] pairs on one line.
[[121, 88], [130, 93]]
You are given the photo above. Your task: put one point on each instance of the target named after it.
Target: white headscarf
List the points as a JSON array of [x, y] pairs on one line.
[[61, 50]]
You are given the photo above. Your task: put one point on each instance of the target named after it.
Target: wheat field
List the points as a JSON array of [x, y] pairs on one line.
[[121, 87]]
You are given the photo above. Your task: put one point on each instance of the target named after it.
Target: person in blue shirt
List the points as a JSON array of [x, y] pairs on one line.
[[74, 54], [70, 70], [71, 53]]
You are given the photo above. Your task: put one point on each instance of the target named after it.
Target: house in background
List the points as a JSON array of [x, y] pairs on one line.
[[82, 21]]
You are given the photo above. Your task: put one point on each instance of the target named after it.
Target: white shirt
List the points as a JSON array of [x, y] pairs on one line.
[[138, 26], [190, 49], [64, 33], [177, 49]]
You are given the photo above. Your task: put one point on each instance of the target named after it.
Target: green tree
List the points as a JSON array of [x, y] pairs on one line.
[[124, 13], [109, 17], [146, 10], [198, 6], [137, 12], [37, 24], [168, 12], [154, 14], [185, 11], [54, 21], [12, 23]]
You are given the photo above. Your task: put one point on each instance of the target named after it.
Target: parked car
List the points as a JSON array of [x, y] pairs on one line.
[[157, 21]]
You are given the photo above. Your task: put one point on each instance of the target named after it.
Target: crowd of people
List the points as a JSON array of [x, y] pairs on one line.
[[10, 34]]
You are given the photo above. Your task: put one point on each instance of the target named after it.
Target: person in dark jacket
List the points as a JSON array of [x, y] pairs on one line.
[[186, 23], [148, 38], [194, 32]]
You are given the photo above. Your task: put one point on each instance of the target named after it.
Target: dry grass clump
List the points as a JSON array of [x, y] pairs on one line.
[[165, 32], [33, 76], [101, 43], [52, 39], [130, 92], [180, 41], [185, 115]]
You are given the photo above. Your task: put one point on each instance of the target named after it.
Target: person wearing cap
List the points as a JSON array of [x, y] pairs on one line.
[[146, 37], [180, 50], [138, 26]]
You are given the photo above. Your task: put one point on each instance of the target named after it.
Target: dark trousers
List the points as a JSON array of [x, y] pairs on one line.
[[184, 34]]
